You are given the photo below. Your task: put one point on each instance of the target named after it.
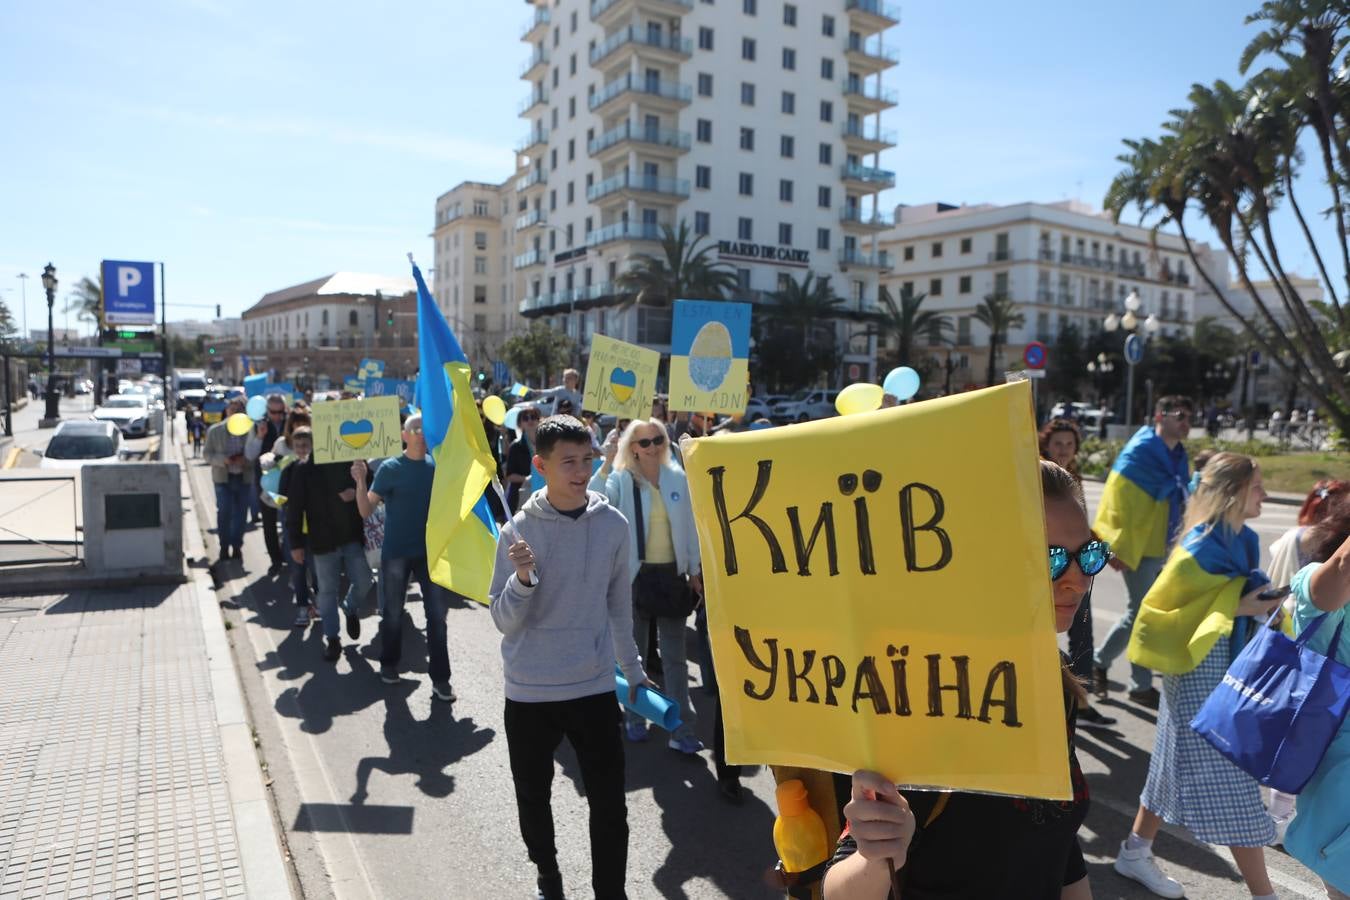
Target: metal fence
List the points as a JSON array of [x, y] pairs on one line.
[[39, 519]]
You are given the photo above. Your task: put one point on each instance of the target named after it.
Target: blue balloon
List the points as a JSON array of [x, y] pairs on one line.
[[256, 408], [512, 415], [901, 383]]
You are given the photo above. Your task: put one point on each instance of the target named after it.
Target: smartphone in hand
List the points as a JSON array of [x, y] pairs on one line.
[[1274, 593]]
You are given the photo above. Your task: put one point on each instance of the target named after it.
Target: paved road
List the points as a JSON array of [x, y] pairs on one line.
[[385, 793]]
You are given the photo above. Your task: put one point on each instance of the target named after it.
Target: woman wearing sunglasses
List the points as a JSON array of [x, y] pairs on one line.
[[1026, 848], [640, 480]]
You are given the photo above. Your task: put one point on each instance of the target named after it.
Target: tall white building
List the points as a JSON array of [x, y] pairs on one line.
[[756, 122]]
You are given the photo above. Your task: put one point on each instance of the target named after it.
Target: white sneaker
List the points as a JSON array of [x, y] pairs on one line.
[[1140, 866], [1281, 826]]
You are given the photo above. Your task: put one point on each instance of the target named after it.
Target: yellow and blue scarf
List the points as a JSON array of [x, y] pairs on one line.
[[1145, 494]]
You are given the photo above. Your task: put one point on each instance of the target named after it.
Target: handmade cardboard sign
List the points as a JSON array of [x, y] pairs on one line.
[[370, 368], [709, 356], [346, 430], [391, 387], [879, 600], [620, 378]]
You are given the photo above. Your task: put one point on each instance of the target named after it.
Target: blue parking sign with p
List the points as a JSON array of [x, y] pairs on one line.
[[128, 292]]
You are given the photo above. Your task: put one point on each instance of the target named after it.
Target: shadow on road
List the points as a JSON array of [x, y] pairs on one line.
[[101, 600]]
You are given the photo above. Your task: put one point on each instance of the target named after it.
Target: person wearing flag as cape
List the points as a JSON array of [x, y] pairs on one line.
[[1139, 516]]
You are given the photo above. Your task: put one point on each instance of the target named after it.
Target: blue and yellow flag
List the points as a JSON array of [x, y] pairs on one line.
[[461, 532], [1194, 601], [1142, 503]]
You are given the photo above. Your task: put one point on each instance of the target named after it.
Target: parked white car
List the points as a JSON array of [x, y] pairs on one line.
[[76, 444], [806, 405], [129, 412]]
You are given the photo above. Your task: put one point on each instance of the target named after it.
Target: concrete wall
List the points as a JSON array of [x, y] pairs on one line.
[[133, 521]]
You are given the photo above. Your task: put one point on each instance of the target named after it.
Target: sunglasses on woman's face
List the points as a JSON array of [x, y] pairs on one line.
[[1092, 557], [657, 441], [528, 417]]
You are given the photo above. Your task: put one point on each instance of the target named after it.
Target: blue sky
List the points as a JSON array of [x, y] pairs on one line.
[[253, 145]]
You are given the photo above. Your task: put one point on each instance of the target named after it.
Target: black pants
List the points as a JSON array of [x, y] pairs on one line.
[[591, 726], [269, 522], [724, 771]]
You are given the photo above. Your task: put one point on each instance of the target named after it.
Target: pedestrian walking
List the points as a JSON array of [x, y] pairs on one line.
[[520, 456], [196, 429], [232, 475], [265, 435], [960, 845], [301, 576], [1194, 621], [569, 390], [642, 482], [403, 485], [562, 599], [1140, 515], [324, 523]]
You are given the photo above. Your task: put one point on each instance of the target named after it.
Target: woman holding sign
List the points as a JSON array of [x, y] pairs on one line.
[[1026, 848]]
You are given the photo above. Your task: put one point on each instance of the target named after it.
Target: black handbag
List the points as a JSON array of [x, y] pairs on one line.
[[659, 590]]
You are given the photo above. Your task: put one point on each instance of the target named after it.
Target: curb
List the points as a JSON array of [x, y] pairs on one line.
[[261, 857]]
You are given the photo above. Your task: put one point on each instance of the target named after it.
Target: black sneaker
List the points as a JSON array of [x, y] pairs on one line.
[[730, 789], [332, 650], [1099, 686], [550, 887], [1088, 717], [389, 676], [444, 692], [353, 626], [1148, 697]]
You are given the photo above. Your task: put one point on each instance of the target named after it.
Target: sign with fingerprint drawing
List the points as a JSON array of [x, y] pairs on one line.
[[709, 356], [620, 378], [346, 430]]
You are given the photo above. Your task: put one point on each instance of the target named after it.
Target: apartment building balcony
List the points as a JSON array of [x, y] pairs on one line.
[[530, 220], [871, 16], [866, 178], [861, 259], [1096, 263], [537, 178], [855, 219], [860, 139], [667, 143], [536, 99], [536, 66], [628, 185], [1167, 276], [870, 58], [537, 25], [1003, 255], [868, 98], [1045, 295], [624, 231], [538, 137], [653, 93], [646, 44], [561, 301], [534, 257], [611, 12]]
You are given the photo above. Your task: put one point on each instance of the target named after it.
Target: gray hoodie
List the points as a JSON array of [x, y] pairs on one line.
[[562, 635]]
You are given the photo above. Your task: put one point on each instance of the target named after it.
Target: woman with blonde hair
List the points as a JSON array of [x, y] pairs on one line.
[[642, 482], [1192, 624]]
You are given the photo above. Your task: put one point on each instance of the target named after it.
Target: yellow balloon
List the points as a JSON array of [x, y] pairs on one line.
[[494, 409], [859, 398], [239, 424]]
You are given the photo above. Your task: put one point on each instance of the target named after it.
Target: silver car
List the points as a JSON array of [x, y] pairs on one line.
[[129, 412]]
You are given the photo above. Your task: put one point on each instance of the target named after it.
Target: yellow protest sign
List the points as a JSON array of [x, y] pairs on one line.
[[620, 378], [346, 430], [879, 596], [710, 356]]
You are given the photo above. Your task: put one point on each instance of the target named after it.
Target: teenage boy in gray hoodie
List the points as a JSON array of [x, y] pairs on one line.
[[562, 599]]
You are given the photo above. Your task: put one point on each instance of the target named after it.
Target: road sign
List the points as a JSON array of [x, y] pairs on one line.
[[501, 373], [128, 292], [90, 352], [1134, 349], [1035, 355], [854, 372], [128, 367]]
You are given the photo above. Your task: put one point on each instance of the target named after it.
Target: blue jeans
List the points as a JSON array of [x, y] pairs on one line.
[[394, 576], [231, 506], [328, 569], [1137, 583]]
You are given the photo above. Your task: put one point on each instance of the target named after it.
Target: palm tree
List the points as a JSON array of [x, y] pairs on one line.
[[907, 321], [999, 314], [684, 270], [807, 307], [86, 299]]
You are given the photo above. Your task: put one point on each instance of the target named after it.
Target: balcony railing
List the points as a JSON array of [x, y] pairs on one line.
[[853, 216], [530, 219], [874, 7], [598, 7], [537, 58], [868, 174], [569, 297], [536, 176], [1004, 255], [637, 181], [655, 87], [870, 92], [876, 135], [855, 257], [624, 231], [530, 102], [1044, 295], [876, 51], [665, 137], [541, 16], [536, 136], [1128, 269], [529, 258], [635, 35]]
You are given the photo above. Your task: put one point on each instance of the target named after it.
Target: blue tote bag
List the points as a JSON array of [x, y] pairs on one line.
[[1278, 708]]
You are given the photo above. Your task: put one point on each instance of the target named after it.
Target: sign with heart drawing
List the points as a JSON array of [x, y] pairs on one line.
[[348, 430], [620, 378]]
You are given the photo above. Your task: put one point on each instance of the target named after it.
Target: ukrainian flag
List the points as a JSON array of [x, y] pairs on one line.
[[461, 532], [1143, 499], [1194, 601]]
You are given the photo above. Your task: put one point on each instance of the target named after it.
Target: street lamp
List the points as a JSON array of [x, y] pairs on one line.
[[53, 415], [1130, 322]]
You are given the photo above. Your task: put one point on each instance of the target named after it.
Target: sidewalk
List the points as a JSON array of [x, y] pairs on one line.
[[127, 767]]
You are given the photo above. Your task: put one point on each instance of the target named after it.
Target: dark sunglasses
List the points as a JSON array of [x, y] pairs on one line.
[[657, 441], [276, 412], [528, 417], [1092, 558]]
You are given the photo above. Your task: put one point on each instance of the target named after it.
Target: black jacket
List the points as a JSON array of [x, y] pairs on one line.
[[312, 500]]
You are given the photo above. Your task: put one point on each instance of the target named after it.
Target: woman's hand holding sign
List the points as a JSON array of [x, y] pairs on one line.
[[879, 819]]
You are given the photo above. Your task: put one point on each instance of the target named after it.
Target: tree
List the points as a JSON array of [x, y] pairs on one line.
[[1067, 366], [906, 321], [86, 299], [537, 352], [795, 335], [999, 314], [684, 270], [7, 324]]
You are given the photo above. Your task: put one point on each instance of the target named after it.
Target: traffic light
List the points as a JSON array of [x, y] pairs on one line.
[[389, 319], [217, 310], [482, 376], [211, 351]]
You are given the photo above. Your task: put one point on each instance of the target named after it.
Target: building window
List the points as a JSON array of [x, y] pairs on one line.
[[790, 14], [703, 177], [749, 7], [909, 254], [823, 196], [789, 103], [785, 234], [552, 200], [937, 249], [571, 149], [568, 238], [572, 65], [935, 287], [965, 245], [963, 285], [747, 139], [571, 192], [826, 111], [702, 223], [705, 38], [827, 26], [704, 131], [789, 58], [704, 84], [747, 184], [480, 293], [571, 107], [745, 229], [555, 76], [480, 207], [963, 331], [786, 146], [822, 238], [785, 190], [351, 318], [747, 93], [553, 158], [826, 69], [826, 154], [480, 265], [480, 240], [748, 49]]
